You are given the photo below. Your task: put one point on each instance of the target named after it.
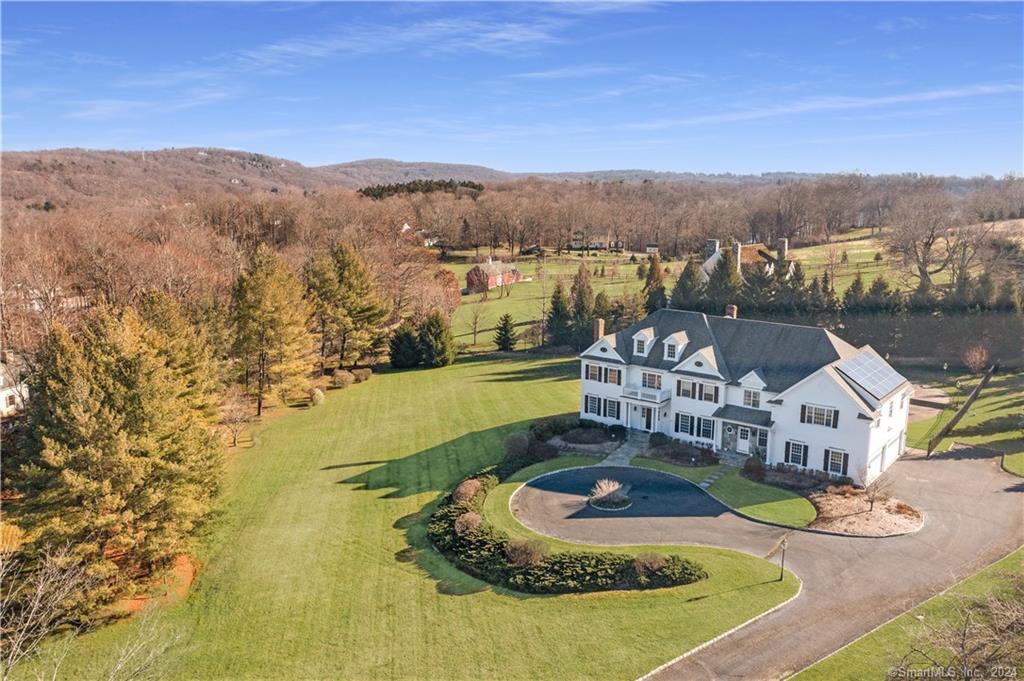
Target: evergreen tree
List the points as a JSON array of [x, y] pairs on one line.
[[582, 296], [655, 277], [602, 306], [360, 327], [853, 299], [879, 297], [559, 321], [641, 271], [959, 297], [758, 290], [725, 285], [121, 464], [325, 295], [404, 347], [828, 291], [437, 344], [655, 300], [983, 294], [686, 294], [187, 351], [815, 297], [505, 337], [271, 340], [1008, 299]]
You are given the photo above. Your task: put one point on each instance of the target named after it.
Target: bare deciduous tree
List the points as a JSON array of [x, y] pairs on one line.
[[878, 490], [236, 414], [975, 357]]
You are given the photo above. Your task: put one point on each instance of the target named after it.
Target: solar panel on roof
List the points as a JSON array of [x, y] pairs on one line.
[[871, 373]]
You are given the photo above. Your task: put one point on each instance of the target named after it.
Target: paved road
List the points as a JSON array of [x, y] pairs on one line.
[[974, 515]]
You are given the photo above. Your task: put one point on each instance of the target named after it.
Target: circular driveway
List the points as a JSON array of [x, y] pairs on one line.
[[664, 507]]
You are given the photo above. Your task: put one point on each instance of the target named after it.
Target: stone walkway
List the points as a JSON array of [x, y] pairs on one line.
[[636, 444]]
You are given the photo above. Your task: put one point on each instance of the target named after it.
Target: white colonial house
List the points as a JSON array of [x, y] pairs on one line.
[[786, 393]]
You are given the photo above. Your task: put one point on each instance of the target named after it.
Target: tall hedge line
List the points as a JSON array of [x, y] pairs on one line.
[[488, 554]]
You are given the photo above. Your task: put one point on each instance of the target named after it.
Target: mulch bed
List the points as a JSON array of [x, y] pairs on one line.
[[846, 509]]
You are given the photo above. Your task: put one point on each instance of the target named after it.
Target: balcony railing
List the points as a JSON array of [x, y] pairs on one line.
[[646, 394]]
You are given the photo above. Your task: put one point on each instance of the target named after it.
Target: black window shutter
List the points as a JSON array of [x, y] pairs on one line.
[[846, 461], [700, 391], [689, 428], [824, 466], [835, 419], [618, 378], [788, 445], [679, 393], [716, 394], [803, 459], [803, 413]]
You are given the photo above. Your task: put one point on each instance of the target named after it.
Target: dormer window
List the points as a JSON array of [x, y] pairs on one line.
[[670, 351], [640, 345]]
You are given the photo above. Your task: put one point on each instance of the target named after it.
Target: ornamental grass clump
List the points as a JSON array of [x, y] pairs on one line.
[[610, 494]]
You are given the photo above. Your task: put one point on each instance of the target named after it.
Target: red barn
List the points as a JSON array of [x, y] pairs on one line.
[[490, 274]]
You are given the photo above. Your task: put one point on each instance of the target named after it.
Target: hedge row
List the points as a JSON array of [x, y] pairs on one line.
[[459, 533]]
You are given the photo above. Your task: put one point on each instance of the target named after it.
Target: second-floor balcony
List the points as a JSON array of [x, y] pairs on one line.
[[653, 395]]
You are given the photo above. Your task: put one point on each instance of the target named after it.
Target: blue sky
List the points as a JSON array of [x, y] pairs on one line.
[[728, 87]]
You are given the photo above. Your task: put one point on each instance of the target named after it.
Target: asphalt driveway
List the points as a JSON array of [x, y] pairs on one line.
[[974, 515]]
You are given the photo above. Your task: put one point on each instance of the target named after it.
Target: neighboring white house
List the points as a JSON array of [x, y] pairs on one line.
[[13, 391], [747, 256], [789, 394]]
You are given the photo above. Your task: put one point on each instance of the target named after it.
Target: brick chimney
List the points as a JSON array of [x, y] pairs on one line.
[[737, 253], [711, 248], [782, 246], [598, 329], [731, 311]]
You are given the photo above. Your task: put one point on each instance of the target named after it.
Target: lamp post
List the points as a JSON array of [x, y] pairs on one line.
[[782, 564]]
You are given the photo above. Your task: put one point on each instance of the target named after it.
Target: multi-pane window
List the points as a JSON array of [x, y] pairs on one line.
[[709, 392], [796, 453], [639, 346], [613, 376], [819, 416], [684, 423], [752, 399], [834, 461], [762, 438], [670, 351], [593, 372], [892, 405], [649, 380], [611, 409], [593, 405], [685, 389], [707, 428]]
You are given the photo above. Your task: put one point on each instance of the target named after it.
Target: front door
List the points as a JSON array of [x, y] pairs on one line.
[[743, 440], [648, 416]]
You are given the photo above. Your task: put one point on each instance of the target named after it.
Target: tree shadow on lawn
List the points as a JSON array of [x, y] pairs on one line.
[[566, 370], [437, 469]]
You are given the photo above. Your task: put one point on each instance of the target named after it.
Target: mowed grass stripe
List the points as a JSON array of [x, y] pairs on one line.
[[300, 577]]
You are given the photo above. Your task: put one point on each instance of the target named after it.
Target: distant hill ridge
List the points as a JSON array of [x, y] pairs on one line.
[[66, 176]]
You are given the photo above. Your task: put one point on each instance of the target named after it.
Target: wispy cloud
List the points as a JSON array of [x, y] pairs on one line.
[[102, 109], [900, 24], [567, 72], [829, 103]]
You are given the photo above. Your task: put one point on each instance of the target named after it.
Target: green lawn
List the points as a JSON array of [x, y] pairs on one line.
[[317, 565], [994, 420], [763, 502], [872, 656], [695, 474]]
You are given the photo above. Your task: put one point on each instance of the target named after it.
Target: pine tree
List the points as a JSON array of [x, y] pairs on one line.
[[1008, 299], [815, 297], [983, 294], [791, 293], [602, 306], [186, 349], [641, 271], [655, 277], [405, 347], [828, 290], [122, 465], [686, 294], [271, 340], [324, 293], [437, 344], [725, 285], [559, 321], [758, 290], [853, 299], [505, 337], [655, 299], [582, 296], [360, 327], [879, 297]]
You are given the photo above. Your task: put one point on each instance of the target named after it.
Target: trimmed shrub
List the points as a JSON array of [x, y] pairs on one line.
[[516, 445], [545, 429], [535, 453], [659, 439], [342, 378], [362, 375], [648, 565], [586, 436], [470, 521], [753, 469], [466, 490], [617, 432], [525, 552], [587, 423], [316, 397]]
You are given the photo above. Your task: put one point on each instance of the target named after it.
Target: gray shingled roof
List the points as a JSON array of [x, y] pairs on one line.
[[755, 417], [783, 354]]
